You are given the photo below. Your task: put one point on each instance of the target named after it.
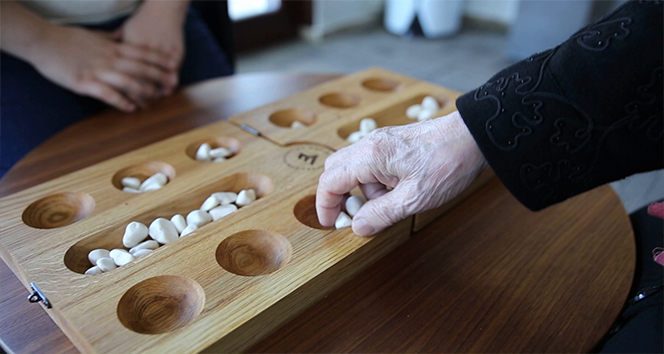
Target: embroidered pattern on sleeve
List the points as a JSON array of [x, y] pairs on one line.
[[598, 37], [519, 109]]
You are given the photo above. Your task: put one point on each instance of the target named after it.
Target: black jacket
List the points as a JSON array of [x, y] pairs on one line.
[[579, 115]]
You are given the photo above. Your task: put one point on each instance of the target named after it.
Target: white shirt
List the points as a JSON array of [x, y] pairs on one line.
[[81, 11]]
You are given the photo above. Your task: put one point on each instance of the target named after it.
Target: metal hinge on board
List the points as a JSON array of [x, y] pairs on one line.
[[250, 130], [38, 296]]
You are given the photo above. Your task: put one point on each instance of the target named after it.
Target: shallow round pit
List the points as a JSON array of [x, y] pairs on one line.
[[228, 142], [142, 171], [286, 117], [58, 210], [340, 100], [161, 304], [305, 212], [254, 252], [76, 257], [381, 84]]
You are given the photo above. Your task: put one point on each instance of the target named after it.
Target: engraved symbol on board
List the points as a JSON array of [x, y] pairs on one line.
[[307, 157]]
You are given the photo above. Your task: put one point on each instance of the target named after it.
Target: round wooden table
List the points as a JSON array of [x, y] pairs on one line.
[[488, 276]]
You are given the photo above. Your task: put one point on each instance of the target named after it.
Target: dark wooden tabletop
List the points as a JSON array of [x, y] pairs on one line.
[[489, 276]]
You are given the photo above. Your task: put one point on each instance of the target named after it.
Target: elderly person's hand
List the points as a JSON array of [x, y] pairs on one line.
[[425, 164]]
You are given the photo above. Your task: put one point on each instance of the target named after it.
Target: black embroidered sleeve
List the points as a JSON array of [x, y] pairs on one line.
[[577, 116]]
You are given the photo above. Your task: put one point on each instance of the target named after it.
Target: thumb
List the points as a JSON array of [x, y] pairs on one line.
[[382, 212]]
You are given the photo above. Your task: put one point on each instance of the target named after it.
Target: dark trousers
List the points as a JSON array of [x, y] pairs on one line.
[[639, 327], [33, 108]]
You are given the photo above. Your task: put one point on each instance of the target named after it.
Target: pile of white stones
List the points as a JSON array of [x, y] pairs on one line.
[[367, 125], [353, 204], [206, 153], [423, 111], [162, 231], [427, 109], [134, 185]]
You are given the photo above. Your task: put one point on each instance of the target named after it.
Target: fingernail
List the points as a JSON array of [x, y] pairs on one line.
[[363, 228]]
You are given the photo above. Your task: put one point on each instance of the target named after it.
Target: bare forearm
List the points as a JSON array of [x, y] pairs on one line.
[[174, 10], [22, 30]]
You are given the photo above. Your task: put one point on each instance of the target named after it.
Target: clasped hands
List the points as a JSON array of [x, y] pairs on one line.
[[126, 69]]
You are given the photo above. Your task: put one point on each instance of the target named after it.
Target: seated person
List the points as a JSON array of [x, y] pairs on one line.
[[65, 60]]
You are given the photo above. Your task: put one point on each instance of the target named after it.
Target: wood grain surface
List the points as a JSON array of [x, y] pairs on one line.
[[217, 297], [26, 328], [488, 276], [333, 110]]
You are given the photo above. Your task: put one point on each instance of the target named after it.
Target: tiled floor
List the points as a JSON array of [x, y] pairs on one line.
[[461, 63]]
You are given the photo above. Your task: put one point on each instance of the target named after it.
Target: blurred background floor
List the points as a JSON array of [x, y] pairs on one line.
[[462, 63]]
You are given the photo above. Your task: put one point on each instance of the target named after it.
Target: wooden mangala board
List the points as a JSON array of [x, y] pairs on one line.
[[196, 301], [47, 231], [377, 93], [330, 123]]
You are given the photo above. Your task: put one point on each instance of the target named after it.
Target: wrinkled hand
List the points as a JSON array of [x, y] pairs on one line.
[[93, 64], [158, 27], [425, 163]]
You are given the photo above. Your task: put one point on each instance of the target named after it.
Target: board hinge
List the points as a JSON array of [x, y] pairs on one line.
[[250, 130], [38, 296]]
